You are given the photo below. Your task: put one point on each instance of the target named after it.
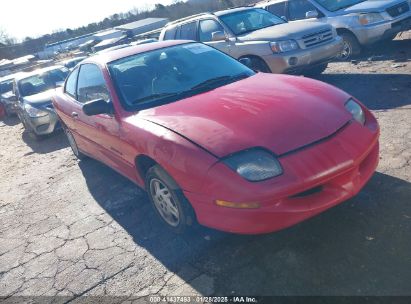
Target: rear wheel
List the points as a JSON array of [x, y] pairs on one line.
[[168, 200], [351, 47], [73, 144]]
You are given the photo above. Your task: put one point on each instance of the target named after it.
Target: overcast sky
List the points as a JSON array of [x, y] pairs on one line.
[[22, 18]]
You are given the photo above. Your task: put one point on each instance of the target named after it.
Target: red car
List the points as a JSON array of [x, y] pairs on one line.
[[212, 141]]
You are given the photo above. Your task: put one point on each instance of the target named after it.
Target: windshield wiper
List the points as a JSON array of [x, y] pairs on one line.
[[209, 83], [155, 96]]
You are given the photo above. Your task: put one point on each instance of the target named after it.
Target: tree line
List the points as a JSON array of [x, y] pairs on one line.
[[178, 9]]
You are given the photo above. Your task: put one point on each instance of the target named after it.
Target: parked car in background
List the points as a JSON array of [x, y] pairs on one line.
[[33, 92], [6, 94], [268, 42], [358, 22], [71, 63], [213, 141]]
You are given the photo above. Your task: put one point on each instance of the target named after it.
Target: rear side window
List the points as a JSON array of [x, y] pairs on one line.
[[91, 84], [207, 28], [298, 9], [188, 31], [279, 9], [71, 84], [170, 34]]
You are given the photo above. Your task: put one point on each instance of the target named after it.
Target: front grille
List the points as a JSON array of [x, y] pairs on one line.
[[314, 39], [308, 192], [398, 9]]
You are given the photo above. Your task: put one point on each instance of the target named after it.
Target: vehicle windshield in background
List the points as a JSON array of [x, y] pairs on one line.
[[246, 21], [149, 79], [333, 5], [6, 86], [41, 82]]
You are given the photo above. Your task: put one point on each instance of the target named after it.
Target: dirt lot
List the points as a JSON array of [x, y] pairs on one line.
[[78, 228]]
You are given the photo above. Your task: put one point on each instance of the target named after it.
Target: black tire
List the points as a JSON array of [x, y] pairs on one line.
[[171, 194], [73, 145], [259, 65], [351, 47], [316, 70]]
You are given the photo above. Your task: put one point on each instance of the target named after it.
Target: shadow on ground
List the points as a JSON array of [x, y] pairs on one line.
[[387, 91], [10, 120], [47, 143], [356, 248]]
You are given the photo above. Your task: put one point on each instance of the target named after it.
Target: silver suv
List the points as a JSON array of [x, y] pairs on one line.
[[358, 22], [266, 41]]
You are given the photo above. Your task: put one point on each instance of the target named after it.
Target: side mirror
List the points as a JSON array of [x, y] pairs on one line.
[[284, 18], [245, 61], [218, 36], [98, 106], [311, 14]]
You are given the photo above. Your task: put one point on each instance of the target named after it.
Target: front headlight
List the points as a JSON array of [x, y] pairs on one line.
[[284, 46], [356, 111], [370, 18], [254, 165], [34, 112]]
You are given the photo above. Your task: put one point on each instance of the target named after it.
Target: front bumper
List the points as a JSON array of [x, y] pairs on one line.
[[281, 63], [315, 179], [370, 34], [45, 124]]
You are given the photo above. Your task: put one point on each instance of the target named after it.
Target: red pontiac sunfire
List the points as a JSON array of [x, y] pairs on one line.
[[212, 141]]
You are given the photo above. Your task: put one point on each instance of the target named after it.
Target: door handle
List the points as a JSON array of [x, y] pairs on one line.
[[74, 114]]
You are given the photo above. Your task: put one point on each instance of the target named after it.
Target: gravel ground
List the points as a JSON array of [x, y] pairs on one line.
[[74, 228]]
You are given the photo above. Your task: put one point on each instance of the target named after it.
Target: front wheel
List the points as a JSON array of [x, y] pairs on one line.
[[351, 47], [259, 65], [168, 200]]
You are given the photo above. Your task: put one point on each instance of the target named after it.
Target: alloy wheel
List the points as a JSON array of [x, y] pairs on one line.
[[164, 202]]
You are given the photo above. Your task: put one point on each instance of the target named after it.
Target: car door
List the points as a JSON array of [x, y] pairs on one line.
[[280, 9], [298, 9], [206, 29], [103, 131]]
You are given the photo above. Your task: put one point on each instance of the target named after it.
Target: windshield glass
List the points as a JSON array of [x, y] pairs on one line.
[[246, 21], [169, 74], [41, 82], [333, 5], [6, 86]]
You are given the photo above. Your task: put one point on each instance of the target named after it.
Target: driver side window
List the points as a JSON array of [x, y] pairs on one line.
[[299, 8], [91, 84]]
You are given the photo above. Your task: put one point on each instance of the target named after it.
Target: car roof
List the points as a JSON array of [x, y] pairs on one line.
[[11, 76], [38, 71], [105, 58], [233, 10]]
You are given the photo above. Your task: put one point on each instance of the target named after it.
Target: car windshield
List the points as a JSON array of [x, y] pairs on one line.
[[6, 86], [41, 82], [250, 20], [333, 5], [165, 75]]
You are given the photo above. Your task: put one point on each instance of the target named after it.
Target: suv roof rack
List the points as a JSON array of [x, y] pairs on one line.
[[189, 17]]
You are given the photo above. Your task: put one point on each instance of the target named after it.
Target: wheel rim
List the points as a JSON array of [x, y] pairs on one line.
[[72, 142], [164, 202], [347, 50]]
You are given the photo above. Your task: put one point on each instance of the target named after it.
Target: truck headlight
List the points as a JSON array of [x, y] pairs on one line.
[[356, 111], [370, 18], [34, 112], [254, 165], [284, 46]]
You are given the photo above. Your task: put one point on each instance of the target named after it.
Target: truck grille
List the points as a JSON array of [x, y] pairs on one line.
[[398, 9], [314, 39]]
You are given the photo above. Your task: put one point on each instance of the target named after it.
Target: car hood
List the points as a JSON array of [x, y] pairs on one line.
[[293, 30], [40, 98], [278, 112], [370, 6]]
